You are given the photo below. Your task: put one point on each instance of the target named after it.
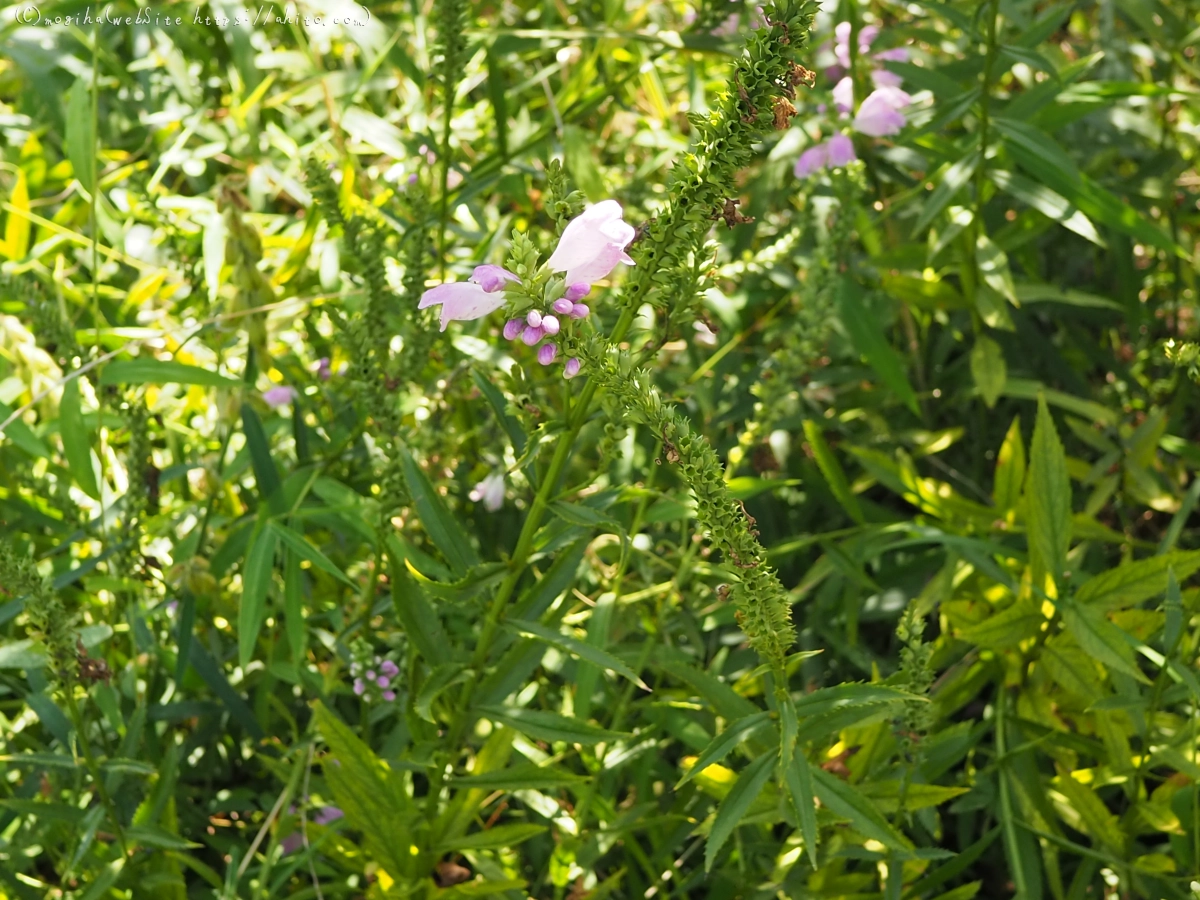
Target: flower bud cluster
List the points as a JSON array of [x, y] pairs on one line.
[[375, 678]]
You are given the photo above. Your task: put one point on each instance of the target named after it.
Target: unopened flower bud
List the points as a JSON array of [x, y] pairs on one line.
[[578, 291], [534, 319], [546, 353], [532, 335], [562, 306], [389, 696], [580, 311], [512, 329], [550, 324], [572, 368]]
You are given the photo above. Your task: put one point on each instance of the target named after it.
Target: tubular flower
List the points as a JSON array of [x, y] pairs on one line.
[[279, 395], [492, 278], [491, 492], [840, 150], [812, 160], [879, 115], [461, 301], [592, 244]]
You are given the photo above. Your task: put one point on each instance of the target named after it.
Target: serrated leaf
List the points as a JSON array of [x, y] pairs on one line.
[[988, 369], [302, 548], [256, 580], [441, 678], [77, 445], [1135, 582], [1010, 468], [585, 516], [437, 520], [549, 726], [499, 836], [723, 744], [797, 777], [147, 370], [1048, 495], [568, 644], [1006, 628], [735, 805], [825, 700], [1101, 639], [844, 801], [416, 614], [522, 777]]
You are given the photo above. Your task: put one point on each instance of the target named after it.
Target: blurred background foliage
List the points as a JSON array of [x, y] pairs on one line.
[[952, 382]]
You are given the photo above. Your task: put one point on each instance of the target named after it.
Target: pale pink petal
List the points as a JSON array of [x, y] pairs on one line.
[[492, 278], [592, 244], [877, 117], [840, 150], [812, 160], [884, 78], [843, 95], [866, 37], [461, 301], [896, 54], [841, 45], [279, 395]]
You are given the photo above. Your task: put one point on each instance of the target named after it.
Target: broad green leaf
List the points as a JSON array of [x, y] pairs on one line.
[[572, 645], [578, 150], [1034, 292], [1006, 628], [437, 520], [735, 805], [893, 795], [266, 476], [491, 838], [302, 548], [1048, 496], [81, 133], [1028, 389], [723, 743], [869, 340], [954, 180], [17, 227], [441, 678], [548, 726], [22, 435], [416, 614], [1134, 582], [256, 580], [147, 370], [1049, 203], [1072, 669], [845, 801], [835, 476], [1010, 468], [988, 369], [77, 441], [825, 700], [1101, 639], [585, 516], [373, 801], [993, 268], [480, 889], [522, 777]]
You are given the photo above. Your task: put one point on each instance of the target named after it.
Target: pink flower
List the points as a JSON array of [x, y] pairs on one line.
[[884, 78], [279, 395], [359, 687], [323, 369], [532, 335], [580, 311], [491, 492], [843, 95], [389, 696], [383, 681], [534, 319], [492, 278], [571, 369], [389, 668], [546, 353], [592, 244], [461, 301], [896, 54], [880, 114], [550, 325], [576, 292], [812, 160], [563, 305], [513, 329], [841, 44], [840, 150]]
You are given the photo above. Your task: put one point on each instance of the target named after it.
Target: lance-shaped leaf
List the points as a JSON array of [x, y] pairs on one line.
[[1101, 639], [549, 726], [1048, 494], [572, 645], [723, 744], [733, 808], [256, 580], [844, 800]]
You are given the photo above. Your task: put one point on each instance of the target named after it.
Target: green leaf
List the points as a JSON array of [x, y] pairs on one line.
[[993, 268], [302, 548], [437, 520], [1048, 495], [147, 370], [22, 435], [77, 444], [256, 580], [585, 516], [1034, 292], [373, 800], [500, 836], [416, 614], [1006, 628], [1173, 626], [1132, 583], [954, 180], [479, 889], [835, 476], [824, 700], [293, 607], [500, 407], [522, 777], [797, 776], [844, 801], [548, 726], [736, 803], [578, 147], [441, 678], [1101, 639], [1050, 204], [266, 475], [988, 369], [723, 744], [1010, 468], [869, 340], [568, 644], [81, 133]]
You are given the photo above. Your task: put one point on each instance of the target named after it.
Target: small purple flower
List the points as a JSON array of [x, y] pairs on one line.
[[546, 353], [389, 696], [370, 675], [532, 335], [513, 329], [491, 492], [592, 244], [534, 319], [279, 395], [389, 668], [840, 150], [383, 681], [879, 115], [578, 291], [580, 311], [323, 369], [492, 278], [550, 325], [571, 369], [412, 179], [562, 306], [812, 160], [359, 686]]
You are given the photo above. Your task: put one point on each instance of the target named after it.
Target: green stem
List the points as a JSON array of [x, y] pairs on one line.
[[92, 765], [985, 118]]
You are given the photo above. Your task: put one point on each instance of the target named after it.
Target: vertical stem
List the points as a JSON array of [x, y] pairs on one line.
[[93, 767], [985, 116]]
